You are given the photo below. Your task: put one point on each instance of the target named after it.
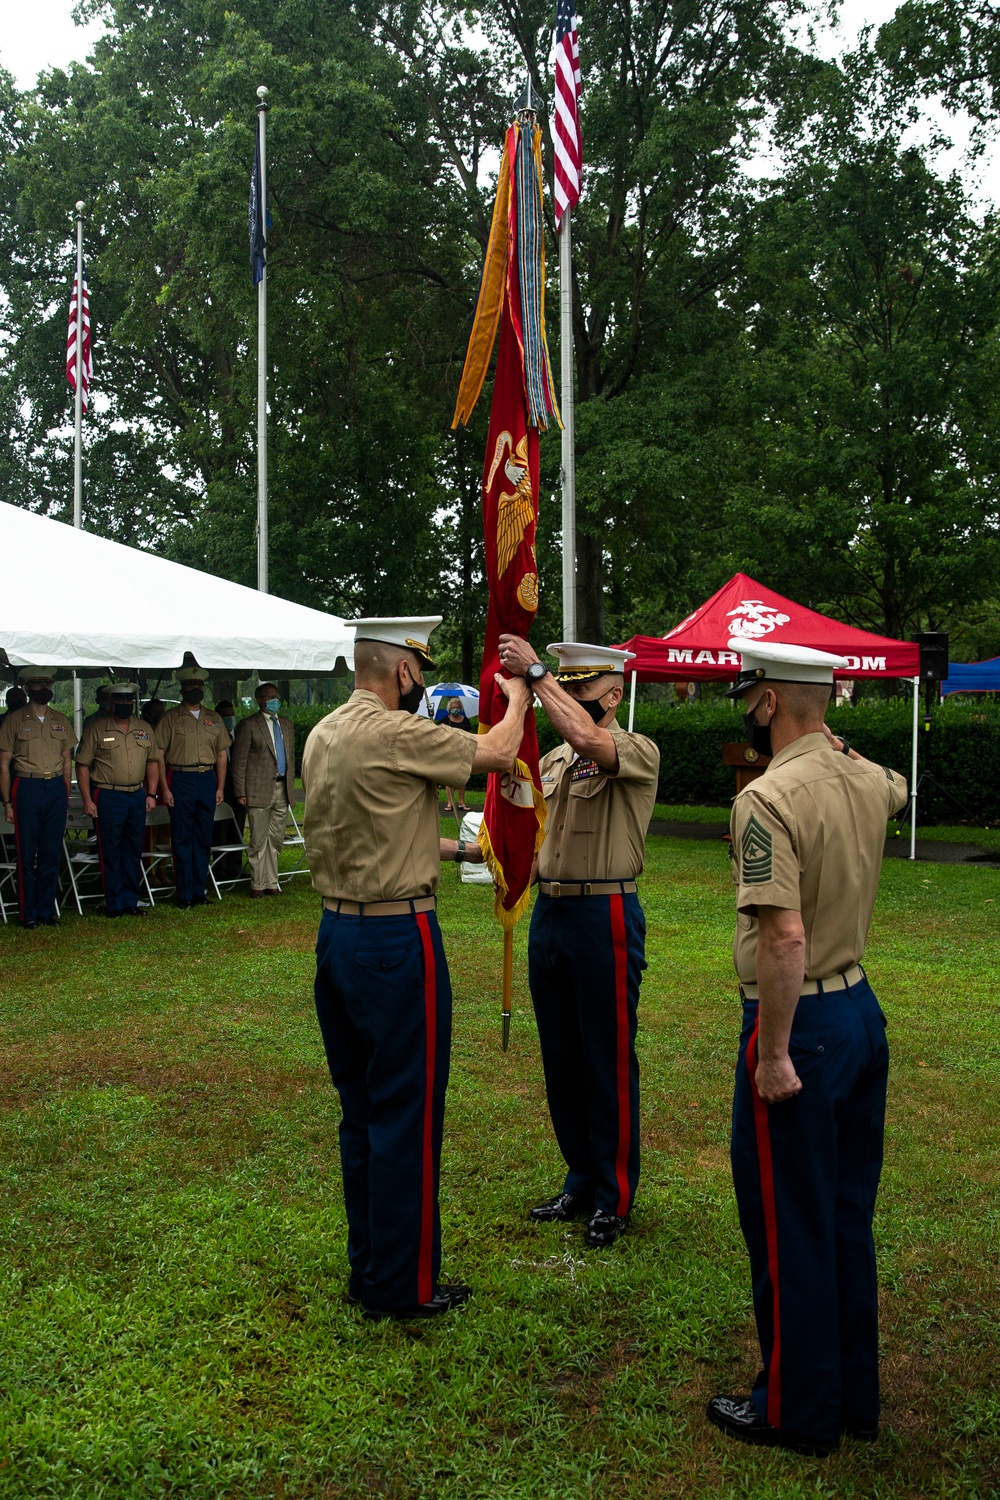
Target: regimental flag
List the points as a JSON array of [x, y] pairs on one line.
[[511, 297], [87, 361], [258, 219], [567, 136]]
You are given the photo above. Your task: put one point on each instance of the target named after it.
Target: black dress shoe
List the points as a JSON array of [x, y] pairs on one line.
[[199, 900], [740, 1419], [49, 921], [443, 1300], [604, 1229], [134, 911], [29, 926], [183, 905], [861, 1432], [563, 1207]]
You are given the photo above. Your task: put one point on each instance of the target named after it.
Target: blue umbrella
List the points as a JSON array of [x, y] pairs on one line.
[[442, 691]]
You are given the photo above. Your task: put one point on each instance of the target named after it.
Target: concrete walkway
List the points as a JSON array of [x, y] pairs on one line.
[[934, 850]]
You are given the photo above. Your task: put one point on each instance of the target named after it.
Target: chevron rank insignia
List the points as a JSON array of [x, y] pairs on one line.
[[755, 853]]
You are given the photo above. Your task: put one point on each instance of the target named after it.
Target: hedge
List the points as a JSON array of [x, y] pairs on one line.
[[960, 751]]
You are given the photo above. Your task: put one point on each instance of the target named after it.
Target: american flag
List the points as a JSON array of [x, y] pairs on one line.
[[87, 363], [568, 137]]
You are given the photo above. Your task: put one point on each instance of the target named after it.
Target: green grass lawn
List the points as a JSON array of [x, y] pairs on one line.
[[173, 1319]]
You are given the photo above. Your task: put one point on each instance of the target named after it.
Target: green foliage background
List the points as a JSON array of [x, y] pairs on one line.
[[793, 375]]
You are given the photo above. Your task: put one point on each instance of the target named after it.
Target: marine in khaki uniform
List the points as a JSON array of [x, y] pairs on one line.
[[586, 949], [809, 1105], [371, 770], [36, 744], [118, 770], [193, 745]]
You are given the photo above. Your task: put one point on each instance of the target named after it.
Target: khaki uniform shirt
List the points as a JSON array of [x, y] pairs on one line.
[[116, 757], [371, 775], [808, 836], [37, 746], [183, 740], [596, 824]]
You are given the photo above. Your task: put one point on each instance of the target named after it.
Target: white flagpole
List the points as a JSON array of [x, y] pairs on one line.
[[78, 440], [568, 438], [262, 579]]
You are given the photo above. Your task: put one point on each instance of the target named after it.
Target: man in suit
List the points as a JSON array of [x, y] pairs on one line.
[[263, 766]]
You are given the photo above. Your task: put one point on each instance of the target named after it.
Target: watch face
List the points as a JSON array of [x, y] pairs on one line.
[[535, 671]]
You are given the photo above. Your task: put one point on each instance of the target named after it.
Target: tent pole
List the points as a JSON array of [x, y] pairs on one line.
[[631, 702], [913, 769]]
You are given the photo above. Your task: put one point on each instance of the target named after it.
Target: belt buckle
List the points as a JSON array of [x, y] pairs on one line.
[[588, 889], [555, 888]]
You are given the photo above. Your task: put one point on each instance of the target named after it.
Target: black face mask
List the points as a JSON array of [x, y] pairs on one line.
[[412, 698], [594, 707], [193, 695], [41, 695], [759, 735]]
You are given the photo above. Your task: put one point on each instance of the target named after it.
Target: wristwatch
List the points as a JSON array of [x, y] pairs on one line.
[[845, 747], [535, 673]]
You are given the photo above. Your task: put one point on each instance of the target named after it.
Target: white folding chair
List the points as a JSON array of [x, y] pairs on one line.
[[233, 844], [82, 858], [157, 856], [8, 869], [293, 840]]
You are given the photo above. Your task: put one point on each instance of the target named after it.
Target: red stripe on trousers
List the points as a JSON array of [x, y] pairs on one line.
[[766, 1167], [425, 1287], [620, 943], [100, 847], [17, 849]]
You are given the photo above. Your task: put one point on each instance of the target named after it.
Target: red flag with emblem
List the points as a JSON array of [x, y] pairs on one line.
[[511, 295]]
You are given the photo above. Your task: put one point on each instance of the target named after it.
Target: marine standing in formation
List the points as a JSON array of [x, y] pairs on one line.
[[371, 770], [118, 769], [809, 1103], [586, 948], [263, 771], [36, 745], [193, 743]]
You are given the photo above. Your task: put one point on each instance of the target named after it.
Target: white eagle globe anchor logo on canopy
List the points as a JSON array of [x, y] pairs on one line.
[[758, 619]]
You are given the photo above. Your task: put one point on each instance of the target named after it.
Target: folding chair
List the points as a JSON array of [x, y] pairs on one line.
[[233, 844], [157, 855], [82, 858], [293, 840], [8, 870]]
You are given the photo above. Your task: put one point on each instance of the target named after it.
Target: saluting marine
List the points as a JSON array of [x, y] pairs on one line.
[[36, 744], [371, 770], [809, 1104], [586, 949], [193, 743], [117, 768]]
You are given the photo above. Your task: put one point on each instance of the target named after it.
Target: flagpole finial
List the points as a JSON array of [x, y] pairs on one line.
[[530, 100], [262, 93], [80, 206]]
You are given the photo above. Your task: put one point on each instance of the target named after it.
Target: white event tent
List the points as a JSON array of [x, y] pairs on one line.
[[72, 599]]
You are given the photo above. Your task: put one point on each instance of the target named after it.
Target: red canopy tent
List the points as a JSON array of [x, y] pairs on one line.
[[743, 609]]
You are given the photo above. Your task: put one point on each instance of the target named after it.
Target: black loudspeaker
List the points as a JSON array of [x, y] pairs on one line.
[[933, 655]]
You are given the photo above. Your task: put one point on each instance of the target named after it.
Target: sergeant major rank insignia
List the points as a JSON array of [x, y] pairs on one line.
[[755, 853]]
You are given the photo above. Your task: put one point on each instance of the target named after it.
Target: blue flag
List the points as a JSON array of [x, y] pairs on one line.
[[256, 217]]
